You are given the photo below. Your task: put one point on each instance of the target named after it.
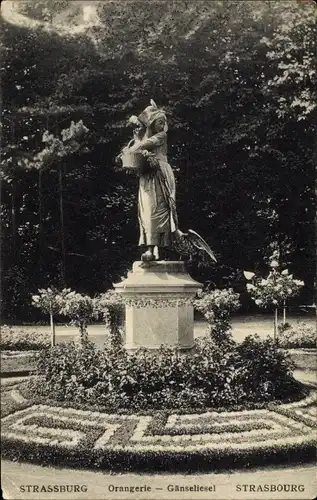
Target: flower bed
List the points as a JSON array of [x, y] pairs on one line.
[[18, 362], [220, 375], [17, 339], [50, 432], [20, 348], [147, 411], [298, 336], [304, 359]]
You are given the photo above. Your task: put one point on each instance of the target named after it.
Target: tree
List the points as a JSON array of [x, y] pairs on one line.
[[80, 309], [50, 301], [238, 157], [292, 48], [274, 290], [55, 150]]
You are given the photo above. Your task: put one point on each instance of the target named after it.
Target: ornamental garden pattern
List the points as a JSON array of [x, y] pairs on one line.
[[64, 429]]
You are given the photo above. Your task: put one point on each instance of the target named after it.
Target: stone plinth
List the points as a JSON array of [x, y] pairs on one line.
[[158, 305]]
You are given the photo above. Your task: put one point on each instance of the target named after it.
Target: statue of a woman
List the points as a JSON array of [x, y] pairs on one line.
[[156, 202]]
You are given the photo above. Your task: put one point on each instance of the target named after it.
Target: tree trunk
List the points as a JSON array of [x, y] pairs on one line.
[[284, 313], [62, 229], [52, 329], [13, 219], [275, 325], [83, 332], [40, 205], [13, 204]]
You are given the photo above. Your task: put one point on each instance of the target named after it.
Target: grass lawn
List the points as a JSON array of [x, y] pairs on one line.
[[242, 325], [18, 363]]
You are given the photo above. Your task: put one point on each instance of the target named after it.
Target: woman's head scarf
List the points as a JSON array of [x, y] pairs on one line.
[[152, 113]]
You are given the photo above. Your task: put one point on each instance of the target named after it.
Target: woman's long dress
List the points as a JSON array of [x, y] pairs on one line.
[[156, 203]]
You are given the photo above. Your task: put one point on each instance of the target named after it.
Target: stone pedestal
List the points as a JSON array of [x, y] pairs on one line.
[[158, 305]]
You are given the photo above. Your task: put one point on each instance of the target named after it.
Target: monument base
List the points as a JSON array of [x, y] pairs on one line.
[[158, 305]]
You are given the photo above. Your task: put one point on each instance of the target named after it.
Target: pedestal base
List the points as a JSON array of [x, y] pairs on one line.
[[159, 310]]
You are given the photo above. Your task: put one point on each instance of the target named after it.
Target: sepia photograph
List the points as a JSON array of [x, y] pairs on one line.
[[158, 249]]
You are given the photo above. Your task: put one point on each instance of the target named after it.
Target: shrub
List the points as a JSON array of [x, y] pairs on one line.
[[267, 367], [110, 307], [217, 306], [283, 327], [17, 339], [300, 335], [80, 309], [218, 375], [70, 368]]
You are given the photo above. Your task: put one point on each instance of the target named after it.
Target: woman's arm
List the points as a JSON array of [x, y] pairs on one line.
[[153, 142]]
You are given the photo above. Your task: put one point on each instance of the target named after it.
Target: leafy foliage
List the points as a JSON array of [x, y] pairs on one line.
[[237, 80], [267, 366], [58, 148], [43, 10], [292, 48], [50, 300], [80, 309], [275, 289], [110, 307], [66, 302], [217, 306], [219, 376]]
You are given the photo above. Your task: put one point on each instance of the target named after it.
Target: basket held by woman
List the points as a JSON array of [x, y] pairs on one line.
[[131, 158], [139, 162]]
